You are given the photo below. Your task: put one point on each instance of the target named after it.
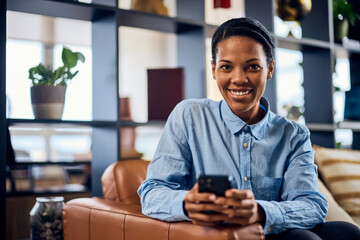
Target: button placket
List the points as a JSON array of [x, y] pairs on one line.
[[246, 160]]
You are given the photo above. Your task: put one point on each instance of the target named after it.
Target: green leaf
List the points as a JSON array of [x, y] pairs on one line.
[[42, 75], [59, 72], [337, 89], [69, 58], [80, 56]]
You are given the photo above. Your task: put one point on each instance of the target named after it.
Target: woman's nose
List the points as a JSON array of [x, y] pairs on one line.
[[239, 76]]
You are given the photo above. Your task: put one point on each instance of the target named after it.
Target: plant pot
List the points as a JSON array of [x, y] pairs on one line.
[[341, 29], [48, 101]]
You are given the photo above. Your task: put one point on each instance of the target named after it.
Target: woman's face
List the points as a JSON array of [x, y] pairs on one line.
[[241, 72]]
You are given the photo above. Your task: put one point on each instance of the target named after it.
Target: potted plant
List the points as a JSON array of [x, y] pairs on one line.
[[343, 14], [49, 86]]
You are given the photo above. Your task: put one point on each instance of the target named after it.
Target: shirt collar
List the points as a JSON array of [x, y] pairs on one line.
[[236, 124]]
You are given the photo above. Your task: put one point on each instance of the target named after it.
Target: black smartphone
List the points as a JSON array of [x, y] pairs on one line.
[[216, 184]]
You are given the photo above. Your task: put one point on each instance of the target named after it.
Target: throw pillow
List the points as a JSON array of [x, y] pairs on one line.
[[340, 169], [335, 212]]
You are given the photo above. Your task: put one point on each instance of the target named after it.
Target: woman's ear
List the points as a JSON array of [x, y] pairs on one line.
[[213, 69], [271, 69]]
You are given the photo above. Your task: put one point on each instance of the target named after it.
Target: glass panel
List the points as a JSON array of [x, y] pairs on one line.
[[138, 55], [217, 16], [289, 80]]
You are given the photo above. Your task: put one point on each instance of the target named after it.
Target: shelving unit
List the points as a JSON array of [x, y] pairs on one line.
[[317, 45], [319, 51], [106, 18]]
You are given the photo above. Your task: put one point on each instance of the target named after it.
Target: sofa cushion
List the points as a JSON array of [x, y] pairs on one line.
[[340, 170]]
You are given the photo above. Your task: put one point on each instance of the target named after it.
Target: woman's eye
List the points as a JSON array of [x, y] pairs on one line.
[[254, 67], [225, 67]]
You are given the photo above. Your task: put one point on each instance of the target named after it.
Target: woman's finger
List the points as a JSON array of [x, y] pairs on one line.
[[194, 196], [235, 213], [203, 217], [202, 207], [239, 194]]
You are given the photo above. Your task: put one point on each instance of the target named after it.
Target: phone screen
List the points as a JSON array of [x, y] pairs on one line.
[[216, 184]]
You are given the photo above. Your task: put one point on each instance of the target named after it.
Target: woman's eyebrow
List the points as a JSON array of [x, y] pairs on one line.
[[247, 61], [253, 59], [224, 60]]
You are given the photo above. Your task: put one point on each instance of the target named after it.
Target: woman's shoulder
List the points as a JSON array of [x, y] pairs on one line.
[[288, 124], [197, 104]]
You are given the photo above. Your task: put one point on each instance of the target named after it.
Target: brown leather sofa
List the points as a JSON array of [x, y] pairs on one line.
[[118, 215]]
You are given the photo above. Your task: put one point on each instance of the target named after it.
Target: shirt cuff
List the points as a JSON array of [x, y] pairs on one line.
[[274, 217], [177, 208]]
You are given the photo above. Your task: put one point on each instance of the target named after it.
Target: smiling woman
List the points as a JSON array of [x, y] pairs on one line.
[[269, 157], [241, 72]]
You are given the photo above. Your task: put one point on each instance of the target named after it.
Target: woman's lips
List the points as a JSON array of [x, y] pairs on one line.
[[239, 92]]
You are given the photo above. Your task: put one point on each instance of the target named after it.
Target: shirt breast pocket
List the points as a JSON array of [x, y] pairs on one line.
[[269, 188]]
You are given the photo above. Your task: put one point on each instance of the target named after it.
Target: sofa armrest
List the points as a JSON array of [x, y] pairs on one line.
[[98, 218]]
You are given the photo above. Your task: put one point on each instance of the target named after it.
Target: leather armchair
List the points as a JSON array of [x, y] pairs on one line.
[[117, 215]]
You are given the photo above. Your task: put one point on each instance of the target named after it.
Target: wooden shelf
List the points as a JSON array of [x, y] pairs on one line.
[[70, 188], [353, 125], [139, 124], [131, 18], [60, 123], [345, 52], [321, 127], [53, 8], [301, 44], [68, 163]]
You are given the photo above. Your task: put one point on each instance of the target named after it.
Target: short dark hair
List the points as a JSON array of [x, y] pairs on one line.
[[244, 27]]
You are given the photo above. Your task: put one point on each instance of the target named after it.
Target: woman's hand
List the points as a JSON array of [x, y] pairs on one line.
[[200, 207], [240, 207]]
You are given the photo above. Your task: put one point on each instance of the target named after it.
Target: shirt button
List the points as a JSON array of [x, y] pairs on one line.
[[245, 179], [269, 229], [245, 145], [246, 128]]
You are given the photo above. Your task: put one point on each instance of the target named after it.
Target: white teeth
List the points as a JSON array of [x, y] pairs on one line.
[[239, 93]]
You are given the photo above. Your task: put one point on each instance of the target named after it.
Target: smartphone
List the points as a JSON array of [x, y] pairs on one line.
[[216, 184]]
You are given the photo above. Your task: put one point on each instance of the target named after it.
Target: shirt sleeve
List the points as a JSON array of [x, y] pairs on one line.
[[302, 206], [163, 191]]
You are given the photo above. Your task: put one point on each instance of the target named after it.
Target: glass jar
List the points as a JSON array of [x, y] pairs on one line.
[[46, 219]]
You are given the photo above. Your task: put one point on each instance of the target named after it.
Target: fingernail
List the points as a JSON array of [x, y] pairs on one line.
[[212, 197]]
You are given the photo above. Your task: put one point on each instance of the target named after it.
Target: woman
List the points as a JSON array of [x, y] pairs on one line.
[[270, 157]]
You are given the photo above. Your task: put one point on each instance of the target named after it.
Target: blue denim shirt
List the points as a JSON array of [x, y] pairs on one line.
[[273, 158]]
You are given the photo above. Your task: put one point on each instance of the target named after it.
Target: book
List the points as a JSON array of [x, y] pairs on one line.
[[165, 90]]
